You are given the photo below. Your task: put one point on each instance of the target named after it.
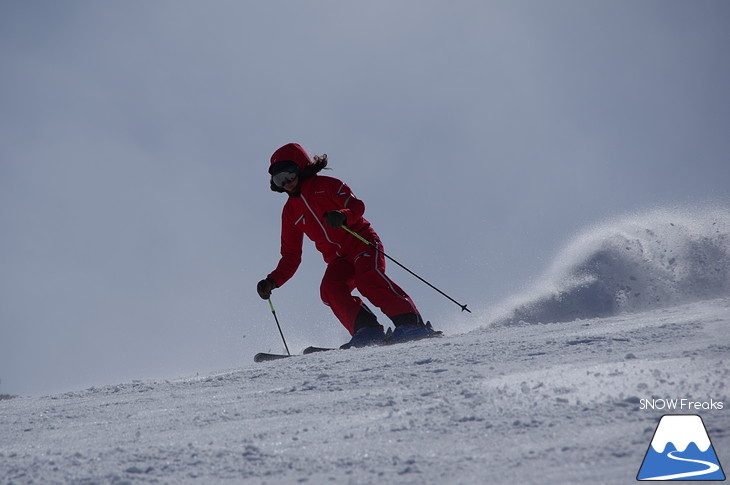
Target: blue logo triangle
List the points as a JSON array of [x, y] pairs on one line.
[[680, 450]]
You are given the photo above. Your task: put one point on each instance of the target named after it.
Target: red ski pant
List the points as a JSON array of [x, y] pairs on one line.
[[366, 272]]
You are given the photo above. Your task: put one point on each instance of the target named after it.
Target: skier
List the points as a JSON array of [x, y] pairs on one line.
[[318, 206]]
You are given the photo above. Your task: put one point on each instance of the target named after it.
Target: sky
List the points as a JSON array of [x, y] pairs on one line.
[[135, 209]]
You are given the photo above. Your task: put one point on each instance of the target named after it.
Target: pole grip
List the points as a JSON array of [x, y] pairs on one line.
[[357, 235]]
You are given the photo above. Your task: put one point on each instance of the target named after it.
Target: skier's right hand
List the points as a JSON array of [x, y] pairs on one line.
[[264, 288]]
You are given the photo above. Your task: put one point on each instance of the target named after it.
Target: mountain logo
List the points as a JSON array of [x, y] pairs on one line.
[[680, 450]]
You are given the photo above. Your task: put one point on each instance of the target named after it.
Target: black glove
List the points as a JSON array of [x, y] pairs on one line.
[[335, 219], [264, 288]]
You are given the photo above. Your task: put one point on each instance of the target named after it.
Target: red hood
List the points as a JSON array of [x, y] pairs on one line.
[[292, 152]]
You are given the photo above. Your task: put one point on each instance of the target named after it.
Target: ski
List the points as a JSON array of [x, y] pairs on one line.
[[435, 334], [314, 350], [265, 357]]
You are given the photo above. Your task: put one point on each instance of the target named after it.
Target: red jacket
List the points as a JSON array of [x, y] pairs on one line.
[[304, 214]]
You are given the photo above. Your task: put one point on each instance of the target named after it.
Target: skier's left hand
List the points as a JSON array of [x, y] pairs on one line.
[[335, 219]]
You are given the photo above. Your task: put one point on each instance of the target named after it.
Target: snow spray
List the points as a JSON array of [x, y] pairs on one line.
[[657, 259]]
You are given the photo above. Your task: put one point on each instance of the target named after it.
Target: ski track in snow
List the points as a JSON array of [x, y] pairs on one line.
[[514, 401], [518, 404]]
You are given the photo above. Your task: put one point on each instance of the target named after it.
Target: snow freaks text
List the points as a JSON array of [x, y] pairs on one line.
[[680, 405]]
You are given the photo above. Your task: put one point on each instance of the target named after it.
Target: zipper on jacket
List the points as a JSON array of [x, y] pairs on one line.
[[320, 225]]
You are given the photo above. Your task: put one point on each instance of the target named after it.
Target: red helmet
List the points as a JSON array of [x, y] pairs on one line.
[[291, 152]]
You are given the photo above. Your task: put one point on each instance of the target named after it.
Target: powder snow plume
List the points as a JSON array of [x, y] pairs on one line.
[[656, 259]]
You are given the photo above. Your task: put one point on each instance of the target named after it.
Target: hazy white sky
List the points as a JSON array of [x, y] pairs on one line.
[[135, 211]]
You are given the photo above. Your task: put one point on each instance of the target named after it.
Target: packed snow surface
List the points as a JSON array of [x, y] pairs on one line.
[[553, 390]]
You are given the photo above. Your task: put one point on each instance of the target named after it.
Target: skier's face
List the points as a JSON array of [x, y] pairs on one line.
[[292, 185], [284, 177], [287, 179]]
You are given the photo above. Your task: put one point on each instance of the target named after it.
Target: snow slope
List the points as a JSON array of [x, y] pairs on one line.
[[520, 404], [517, 400]]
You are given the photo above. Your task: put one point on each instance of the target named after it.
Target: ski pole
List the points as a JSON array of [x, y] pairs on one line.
[[271, 305], [358, 236]]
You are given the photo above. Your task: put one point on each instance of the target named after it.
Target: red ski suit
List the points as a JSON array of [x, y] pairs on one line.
[[350, 262]]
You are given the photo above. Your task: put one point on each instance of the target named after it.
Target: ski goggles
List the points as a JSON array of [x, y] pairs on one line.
[[280, 179]]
